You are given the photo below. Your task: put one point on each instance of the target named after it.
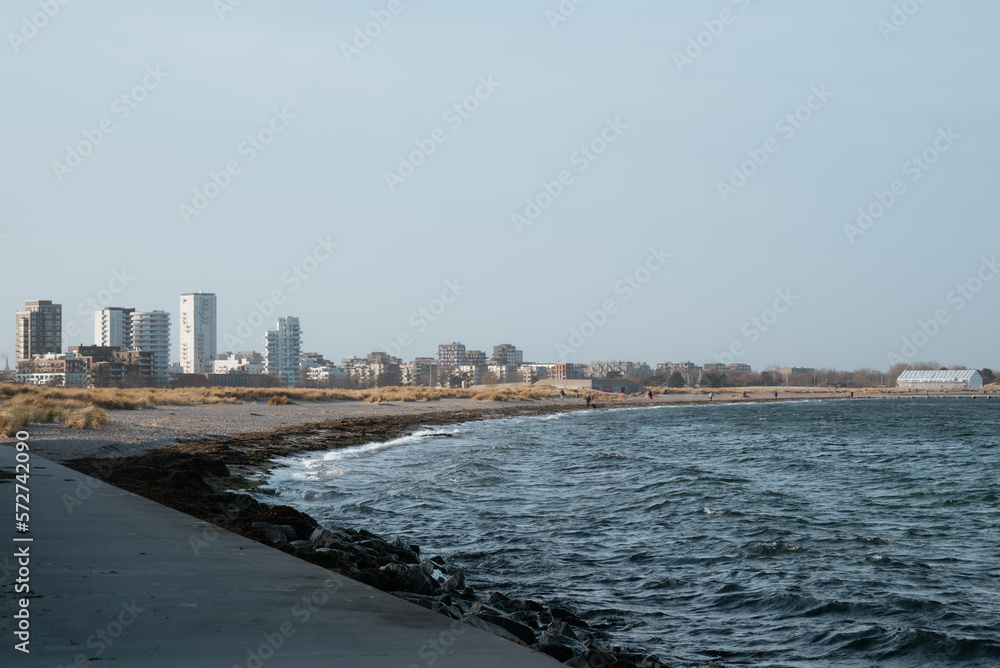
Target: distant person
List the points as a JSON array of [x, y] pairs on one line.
[[711, 395], [745, 395], [775, 395], [562, 394], [588, 401], [852, 395], [650, 395]]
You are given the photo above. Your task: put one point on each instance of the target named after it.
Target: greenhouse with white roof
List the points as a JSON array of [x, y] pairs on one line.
[[940, 380]]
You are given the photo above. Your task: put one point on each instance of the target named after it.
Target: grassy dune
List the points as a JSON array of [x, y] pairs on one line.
[[78, 408]]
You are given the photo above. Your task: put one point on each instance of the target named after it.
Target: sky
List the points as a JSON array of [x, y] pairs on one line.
[[800, 184]]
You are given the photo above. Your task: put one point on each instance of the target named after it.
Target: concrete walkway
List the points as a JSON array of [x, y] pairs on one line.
[[119, 580]]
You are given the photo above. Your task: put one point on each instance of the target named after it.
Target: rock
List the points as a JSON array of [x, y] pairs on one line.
[[456, 583], [531, 619], [560, 653], [489, 627], [496, 597], [437, 560], [272, 534], [420, 582], [394, 568], [478, 607], [324, 537], [303, 545], [527, 605], [286, 529], [524, 633], [568, 617], [561, 628]]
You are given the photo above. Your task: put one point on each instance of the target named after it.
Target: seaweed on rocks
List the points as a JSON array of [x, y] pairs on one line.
[[195, 478]]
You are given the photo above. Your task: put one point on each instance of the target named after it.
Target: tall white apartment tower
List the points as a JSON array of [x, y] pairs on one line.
[[113, 327], [282, 351], [151, 332], [198, 332]]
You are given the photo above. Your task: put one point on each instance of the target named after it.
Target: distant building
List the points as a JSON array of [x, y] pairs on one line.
[[475, 357], [690, 373], [53, 369], [451, 354], [638, 370], [508, 355], [151, 333], [198, 331], [611, 385], [113, 327], [940, 380], [282, 353], [39, 329], [248, 361], [567, 371], [8, 375], [115, 367]]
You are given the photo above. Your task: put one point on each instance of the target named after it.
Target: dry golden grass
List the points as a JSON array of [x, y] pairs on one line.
[[23, 405]]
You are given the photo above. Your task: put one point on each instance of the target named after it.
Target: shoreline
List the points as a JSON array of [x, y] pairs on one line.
[[204, 478]]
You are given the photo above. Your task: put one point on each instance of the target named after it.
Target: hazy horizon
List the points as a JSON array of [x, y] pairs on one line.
[[296, 126]]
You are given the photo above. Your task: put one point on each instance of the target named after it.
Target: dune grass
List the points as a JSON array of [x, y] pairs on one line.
[[80, 408]]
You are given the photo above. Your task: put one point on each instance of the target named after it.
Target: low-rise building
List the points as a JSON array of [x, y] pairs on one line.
[[62, 370], [940, 380]]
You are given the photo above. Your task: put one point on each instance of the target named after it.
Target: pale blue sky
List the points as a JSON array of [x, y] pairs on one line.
[[655, 186]]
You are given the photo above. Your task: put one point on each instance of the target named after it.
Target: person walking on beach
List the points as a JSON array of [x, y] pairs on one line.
[[775, 395], [562, 394], [588, 401], [711, 395], [650, 395]]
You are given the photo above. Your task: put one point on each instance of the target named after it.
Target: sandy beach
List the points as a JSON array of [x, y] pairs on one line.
[[135, 432]]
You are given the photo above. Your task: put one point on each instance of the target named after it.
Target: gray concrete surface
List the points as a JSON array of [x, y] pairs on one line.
[[118, 580]]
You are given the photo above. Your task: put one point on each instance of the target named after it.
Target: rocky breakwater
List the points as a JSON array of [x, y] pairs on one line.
[[196, 479], [432, 584]]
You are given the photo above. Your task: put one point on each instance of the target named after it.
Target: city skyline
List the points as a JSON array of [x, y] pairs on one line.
[[113, 328]]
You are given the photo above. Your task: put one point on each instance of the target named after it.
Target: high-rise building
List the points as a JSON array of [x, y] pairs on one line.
[[282, 351], [198, 332], [508, 355], [151, 333], [451, 354], [113, 327], [38, 329]]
